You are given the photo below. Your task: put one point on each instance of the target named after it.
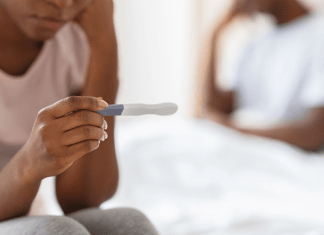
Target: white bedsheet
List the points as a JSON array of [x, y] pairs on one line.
[[194, 177]]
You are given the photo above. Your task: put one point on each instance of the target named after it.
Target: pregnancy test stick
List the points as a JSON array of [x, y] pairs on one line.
[[139, 109]]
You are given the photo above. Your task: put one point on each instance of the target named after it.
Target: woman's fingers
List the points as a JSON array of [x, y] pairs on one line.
[[81, 118], [83, 133], [72, 104]]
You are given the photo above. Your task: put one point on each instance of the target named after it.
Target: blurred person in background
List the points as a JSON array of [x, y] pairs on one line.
[[279, 77]]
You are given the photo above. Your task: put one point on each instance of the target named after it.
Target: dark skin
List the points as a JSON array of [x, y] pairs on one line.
[[21, 36], [85, 178], [218, 105]]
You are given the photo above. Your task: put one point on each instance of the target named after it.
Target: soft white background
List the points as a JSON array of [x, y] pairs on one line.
[[156, 41]]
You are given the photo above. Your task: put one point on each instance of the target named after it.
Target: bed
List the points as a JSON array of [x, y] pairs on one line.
[[195, 177]]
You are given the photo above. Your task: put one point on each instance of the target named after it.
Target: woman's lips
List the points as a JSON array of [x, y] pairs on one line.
[[50, 23]]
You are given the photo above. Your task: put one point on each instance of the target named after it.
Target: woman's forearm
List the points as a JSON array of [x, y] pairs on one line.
[[17, 192], [93, 178]]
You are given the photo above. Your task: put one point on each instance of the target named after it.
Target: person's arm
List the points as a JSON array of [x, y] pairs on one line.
[[214, 100], [217, 104], [307, 133], [93, 179], [16, 192]]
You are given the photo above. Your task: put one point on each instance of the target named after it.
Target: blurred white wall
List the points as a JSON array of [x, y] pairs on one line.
[[154, 46], [159, 48]]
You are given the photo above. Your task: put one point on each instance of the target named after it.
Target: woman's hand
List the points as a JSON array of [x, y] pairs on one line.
[[59, 137], [97, 20]]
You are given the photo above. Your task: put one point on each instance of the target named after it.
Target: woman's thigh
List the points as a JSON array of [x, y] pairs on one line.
[[119, 221], [42, 225]]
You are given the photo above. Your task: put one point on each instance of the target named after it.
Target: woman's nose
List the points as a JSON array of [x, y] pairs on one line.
[[61, 3]]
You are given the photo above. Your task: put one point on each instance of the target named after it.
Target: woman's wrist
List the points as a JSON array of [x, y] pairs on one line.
[[24, 172]]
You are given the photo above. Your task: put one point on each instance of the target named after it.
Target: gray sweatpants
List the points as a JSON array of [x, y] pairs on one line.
[[90, 221]]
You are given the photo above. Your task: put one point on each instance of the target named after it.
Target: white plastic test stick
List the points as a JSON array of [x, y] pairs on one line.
[[139, 109]]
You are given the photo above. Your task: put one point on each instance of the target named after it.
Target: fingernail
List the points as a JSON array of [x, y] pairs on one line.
[[106, 135], [100, 98], [103, 104], [106, 125]]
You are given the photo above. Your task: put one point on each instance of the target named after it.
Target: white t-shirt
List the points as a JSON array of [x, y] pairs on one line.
[[57, 72], [280, 76]]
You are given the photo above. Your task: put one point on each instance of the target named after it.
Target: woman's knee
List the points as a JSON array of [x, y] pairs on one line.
[[134, 221], [64, 225], [131, 213], [43, 225], [117, 221]]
